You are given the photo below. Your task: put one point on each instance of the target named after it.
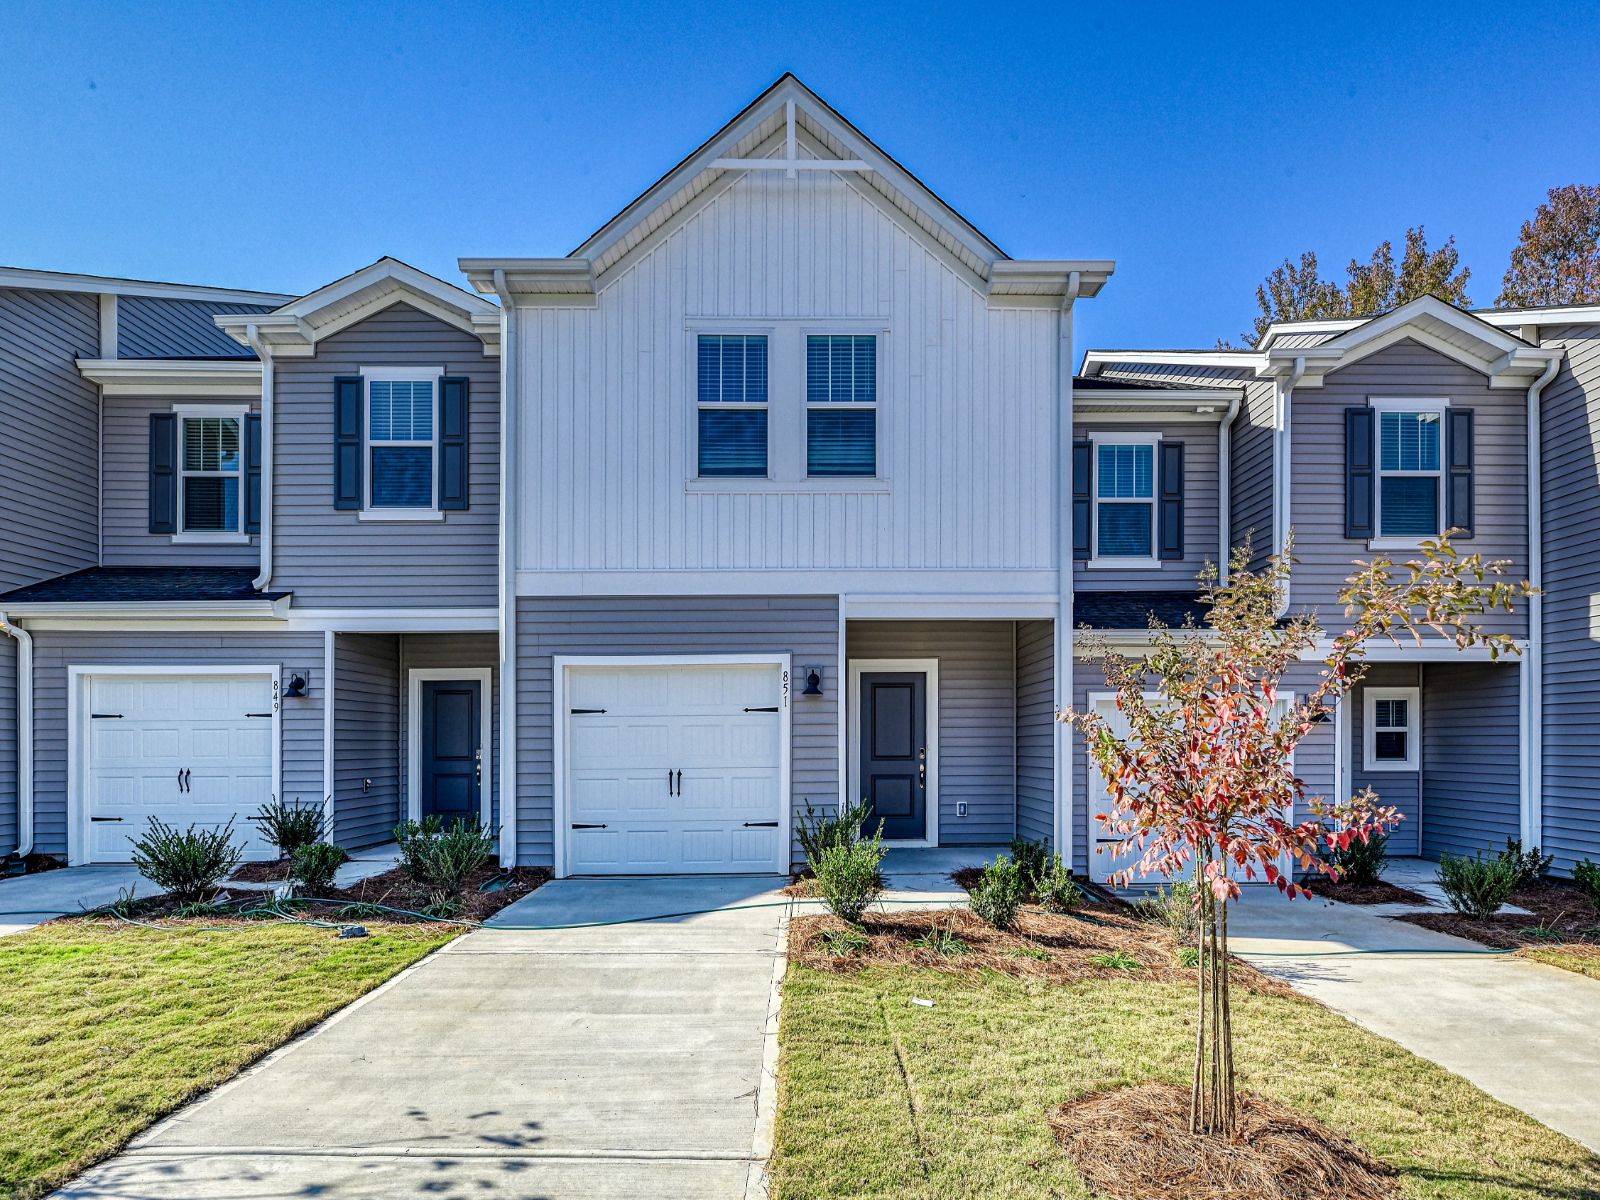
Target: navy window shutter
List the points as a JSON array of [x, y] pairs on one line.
[[163, 473], [1170, 518], [252, 473], [454, 393], [1082, 497], [1358, 473], [347, 422], [1460, 481]]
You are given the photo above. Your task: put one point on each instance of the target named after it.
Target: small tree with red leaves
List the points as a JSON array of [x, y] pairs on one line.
[[1204, 785]]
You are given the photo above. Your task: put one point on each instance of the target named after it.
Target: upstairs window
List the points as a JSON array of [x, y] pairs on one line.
[[1410, 478], [841, 405], [401, 442], [1125, 500], [211, 472], [732, 398], [1391, 728]]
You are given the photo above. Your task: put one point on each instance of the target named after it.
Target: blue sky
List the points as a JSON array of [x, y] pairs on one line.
[[280, 146]]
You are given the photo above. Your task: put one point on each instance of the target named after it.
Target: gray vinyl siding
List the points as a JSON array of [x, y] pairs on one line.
[[1036, 730], [157, 327], [54, 652], [330, 558], [1470, 763], [1399, 789], [806, 627], [1323, 554], [8, 745], [977, 716], [1250, 515], [126, 540], [1571, 444], [50, 417], [366, 738], [425, 650], [1201, 509]]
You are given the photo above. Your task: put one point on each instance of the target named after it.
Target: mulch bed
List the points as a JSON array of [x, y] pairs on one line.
[[1134, 1144], [1364, 893], [1044, 946], [1559, 914], [33, 864], [967, 878]]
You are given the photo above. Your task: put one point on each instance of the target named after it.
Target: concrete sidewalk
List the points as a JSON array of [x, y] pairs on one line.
[[626, 1060], [29, 900], [1525, 1033]]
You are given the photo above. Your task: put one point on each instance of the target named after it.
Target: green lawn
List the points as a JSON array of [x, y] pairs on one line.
[[883, 1098], [104, 1028]]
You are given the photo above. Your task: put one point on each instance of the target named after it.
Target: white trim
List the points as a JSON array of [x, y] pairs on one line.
[[930, 804], [562, 663], [199, 412], [78, 745], [395, 620], [1424, 405], [108, 325], [400, 515], [825, 581], [330, 777], [876, 607], [67, 281], [1108, 562], [113, 615], [432, 376], [415, 678], [1370, 762]]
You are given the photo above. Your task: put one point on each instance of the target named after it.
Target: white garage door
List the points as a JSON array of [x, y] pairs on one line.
[[189, 749], [675, 769]]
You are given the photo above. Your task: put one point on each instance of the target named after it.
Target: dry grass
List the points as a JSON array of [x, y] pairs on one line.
[[1583, 960]]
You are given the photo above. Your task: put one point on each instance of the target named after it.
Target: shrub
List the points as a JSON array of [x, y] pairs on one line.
[[943, 942], [819, 831], [847, 875], [312, 867], [1189, 956], [1529, 866], [999, 893], [189, 864], [442, 860], [1057, 890], [1587, 876], [1172, 905], [416, 839], [1361, 862], [1477, 887], [1115, 960], [843, 942], [289, 826], [1032, 859]]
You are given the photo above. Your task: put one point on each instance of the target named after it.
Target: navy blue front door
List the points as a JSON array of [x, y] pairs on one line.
[[451, 741], [894, 752]]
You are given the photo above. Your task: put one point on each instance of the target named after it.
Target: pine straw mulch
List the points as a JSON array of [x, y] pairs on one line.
[[1559, 914], [803, 885], [1053, 948], [1380, 892], [272, 871], [1134, 1143]]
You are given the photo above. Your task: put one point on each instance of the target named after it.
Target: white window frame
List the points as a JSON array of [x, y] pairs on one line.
[[1406, 404], [184, 412], [1137, 562], [432, 375], [1369, 728], [806, 405], [746, 331]]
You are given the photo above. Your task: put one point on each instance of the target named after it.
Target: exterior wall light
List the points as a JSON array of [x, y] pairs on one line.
[[297, 686], [813, 681]]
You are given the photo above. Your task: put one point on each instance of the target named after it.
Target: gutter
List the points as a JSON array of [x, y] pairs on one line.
[[1225, 486], [510, 433], [1533, 665], [24, 641], [1280, 494], [1066, 567], [252, 335]]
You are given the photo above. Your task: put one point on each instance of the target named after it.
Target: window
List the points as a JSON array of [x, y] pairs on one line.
[[841, 405], [1125, 500], [401, 420], [1410, 479], [210, 476], [1391, 728], [732, 404]]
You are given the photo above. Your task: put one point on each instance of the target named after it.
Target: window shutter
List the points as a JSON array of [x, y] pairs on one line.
[[1358, 473], [1459, 495], [347, 442], [252, 473], [453, 404], [1170, 523], [1082, 497], [163, 473]]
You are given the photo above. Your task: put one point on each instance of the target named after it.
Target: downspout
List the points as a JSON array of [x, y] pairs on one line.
[[1065, 567], [24, 641], [1533, 665], [1225, 488], [253, 336], [1285, 459], [509, 434]]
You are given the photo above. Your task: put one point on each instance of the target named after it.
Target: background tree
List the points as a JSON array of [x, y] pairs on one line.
[[1557, 259], [1204, 783]]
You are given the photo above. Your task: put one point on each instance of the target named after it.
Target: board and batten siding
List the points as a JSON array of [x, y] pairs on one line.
[[125, 537], [466, 650], [1323, 555], [49, 435], [1571, 445], [1036, 737], [977, 716], [367, 743], [966, 408], [1201, 509], [54, 652], [1398, 789], [331, 558], [1471, 799], [806, 627]]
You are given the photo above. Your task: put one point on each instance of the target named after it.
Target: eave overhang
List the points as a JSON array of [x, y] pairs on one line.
[[178, 378]]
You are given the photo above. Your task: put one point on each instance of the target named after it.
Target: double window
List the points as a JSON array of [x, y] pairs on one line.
[[1410, 471], [210, 472], [1125, 499], [1390, 732]]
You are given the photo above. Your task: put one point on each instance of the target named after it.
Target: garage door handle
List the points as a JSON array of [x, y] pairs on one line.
[[774, 708], [599, 826], [760, 824]]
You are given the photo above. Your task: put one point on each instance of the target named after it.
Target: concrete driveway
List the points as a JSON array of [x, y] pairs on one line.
[[626, 1060], [28, 900]]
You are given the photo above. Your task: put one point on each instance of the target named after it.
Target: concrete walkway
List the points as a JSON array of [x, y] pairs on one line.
[[1525, 1033], [28, 900], [627, 1060]]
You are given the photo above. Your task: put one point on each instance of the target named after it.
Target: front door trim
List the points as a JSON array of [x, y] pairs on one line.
[[415, 678], [930, 668]]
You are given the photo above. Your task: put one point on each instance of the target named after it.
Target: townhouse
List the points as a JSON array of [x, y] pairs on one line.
[[779, 489]]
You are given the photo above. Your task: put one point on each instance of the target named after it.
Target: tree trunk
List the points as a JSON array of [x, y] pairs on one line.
[[1213, 1104]]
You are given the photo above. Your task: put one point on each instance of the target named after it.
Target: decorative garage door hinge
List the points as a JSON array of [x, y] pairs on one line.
[[578, 711], [106, 716], [600, 826]]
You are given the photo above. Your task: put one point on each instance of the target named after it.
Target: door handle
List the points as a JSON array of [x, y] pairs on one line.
[[477, 766], [180, 779], [922, 767], [669, 781], [680, 782]]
